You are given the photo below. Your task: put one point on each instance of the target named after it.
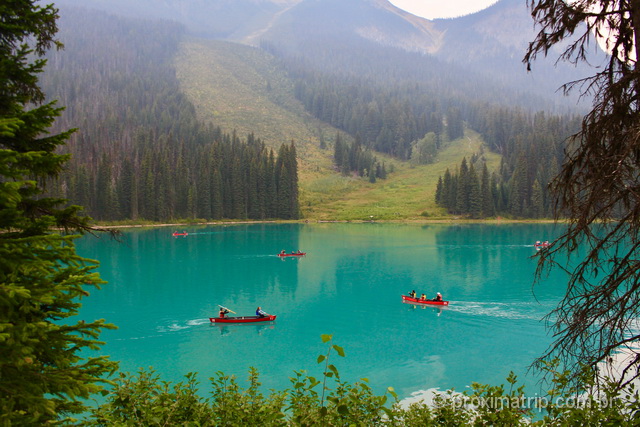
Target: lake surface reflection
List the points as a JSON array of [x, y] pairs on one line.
[[162, 290]]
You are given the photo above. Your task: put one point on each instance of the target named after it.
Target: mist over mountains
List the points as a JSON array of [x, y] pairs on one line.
[[484, 49], [374, 99]]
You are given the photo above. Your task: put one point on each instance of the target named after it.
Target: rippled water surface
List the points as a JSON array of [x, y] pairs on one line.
[[163, 289]]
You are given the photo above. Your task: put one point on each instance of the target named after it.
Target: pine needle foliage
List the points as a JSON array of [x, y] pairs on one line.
[[597, 188], [44, 373]]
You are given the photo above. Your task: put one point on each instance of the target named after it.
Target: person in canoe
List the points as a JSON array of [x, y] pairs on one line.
[[222, 312], [260, 313], [423, 297], [282, 252], [438, 297], [412, 294]]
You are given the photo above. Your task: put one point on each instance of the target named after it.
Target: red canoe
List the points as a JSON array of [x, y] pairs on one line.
[[242, 319], [176, 234], [298, 254], [419, 301]]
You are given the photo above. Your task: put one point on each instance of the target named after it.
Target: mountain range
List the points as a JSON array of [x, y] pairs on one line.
[[305, 70], [490, 43]]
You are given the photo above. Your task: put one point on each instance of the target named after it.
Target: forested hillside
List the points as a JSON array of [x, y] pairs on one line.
[[532, 148], [140, 152], [148, 102], [407, 105]]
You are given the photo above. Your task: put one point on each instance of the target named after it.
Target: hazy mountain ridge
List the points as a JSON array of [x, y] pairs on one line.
[[376, 20], [348, 75], [240, 20], [225, 19], [507, 23], [494, 41], [489, 44]]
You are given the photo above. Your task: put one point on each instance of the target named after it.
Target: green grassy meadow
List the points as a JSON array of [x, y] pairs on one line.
[[242, 88]]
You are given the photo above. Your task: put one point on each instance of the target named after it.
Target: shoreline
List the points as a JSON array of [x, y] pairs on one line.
[[338, 221]]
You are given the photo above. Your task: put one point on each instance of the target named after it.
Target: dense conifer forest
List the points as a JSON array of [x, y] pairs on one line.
[[390, 109], [140, 152], [532, 147]]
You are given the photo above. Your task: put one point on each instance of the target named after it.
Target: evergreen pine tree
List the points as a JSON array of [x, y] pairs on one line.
[[191, 202], [448, 193], [496, 194], [43, 374], [435, 126], [238, 189], [125, 189], [462, 198], [217, 198], [372, 175], [455, 126], [293, 174], [518, 189], [283, 181], [323, 143], [253, 200], [488, 204], [475, 200], [83, 187], [537, 200], [103, 189], [262, 184], [383, 172], [271, 187], [338, 151], [439, 191], [203, 191]]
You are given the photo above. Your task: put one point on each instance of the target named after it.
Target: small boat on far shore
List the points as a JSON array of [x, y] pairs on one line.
[[408, 299], [176, 234], [292, 254], [540, 245]]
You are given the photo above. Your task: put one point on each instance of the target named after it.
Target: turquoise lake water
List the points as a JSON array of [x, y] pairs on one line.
[[163, 289]]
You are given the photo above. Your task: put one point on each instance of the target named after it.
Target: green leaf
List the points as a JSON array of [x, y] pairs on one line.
[[392, 392], [343, 410], [321, 358], [326, 338], [339, 350]]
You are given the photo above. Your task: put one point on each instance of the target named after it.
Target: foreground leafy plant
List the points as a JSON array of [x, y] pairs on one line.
[[147, 401]]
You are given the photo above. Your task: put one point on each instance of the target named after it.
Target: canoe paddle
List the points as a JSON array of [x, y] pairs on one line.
[[230, 311]]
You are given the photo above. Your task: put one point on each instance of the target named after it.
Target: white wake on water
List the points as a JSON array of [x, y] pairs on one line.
[[177, 326], [504, 310]]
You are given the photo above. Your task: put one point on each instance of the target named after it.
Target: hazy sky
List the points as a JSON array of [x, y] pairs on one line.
[[432, 9]]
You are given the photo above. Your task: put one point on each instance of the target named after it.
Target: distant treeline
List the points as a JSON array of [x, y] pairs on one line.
[[167, 179], [387, 115], [387, 120], [140, 152], [353, 158], [532, 149], [388, 108], [389, 97]]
